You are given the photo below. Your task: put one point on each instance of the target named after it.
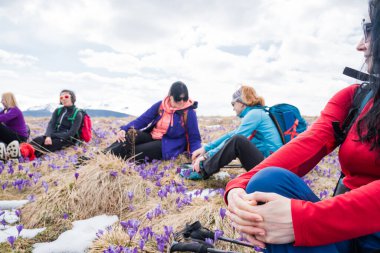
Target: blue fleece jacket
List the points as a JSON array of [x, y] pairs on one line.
[[267, 139], [174, 141]]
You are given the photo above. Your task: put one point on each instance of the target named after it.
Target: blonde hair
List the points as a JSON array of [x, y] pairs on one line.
[[9, 100], [250, 97]]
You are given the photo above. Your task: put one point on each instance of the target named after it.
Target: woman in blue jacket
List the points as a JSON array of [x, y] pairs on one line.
[[164, 131], [255, 138]]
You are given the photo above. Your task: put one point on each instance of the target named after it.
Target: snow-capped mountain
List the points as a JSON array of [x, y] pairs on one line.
[[46, 111]]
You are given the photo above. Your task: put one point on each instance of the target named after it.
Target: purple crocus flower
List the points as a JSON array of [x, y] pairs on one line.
[[18, 213], [209, 241], [19, 228], [31, 198], [76, 175], [11, 240], [222, 212], [148, 191], [45, 185], [65, 216], [99, 233], [141, 244], [113, 173], [149, 215], [217, 234], [130, 195], [4, 186]]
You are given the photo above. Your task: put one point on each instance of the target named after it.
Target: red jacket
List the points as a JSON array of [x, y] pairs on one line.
[[346, 216]]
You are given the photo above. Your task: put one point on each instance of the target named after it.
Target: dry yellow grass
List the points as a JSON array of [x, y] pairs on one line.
[[97, 192]]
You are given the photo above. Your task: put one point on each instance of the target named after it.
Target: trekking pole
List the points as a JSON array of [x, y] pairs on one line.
[[233, 166], [226, 239], [211, 250], [43, 149]]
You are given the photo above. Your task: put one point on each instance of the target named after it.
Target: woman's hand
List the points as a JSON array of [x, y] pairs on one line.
[[242, 214], [196, 163], [198, 152], [48, 141], [277, 218], [120, 136]]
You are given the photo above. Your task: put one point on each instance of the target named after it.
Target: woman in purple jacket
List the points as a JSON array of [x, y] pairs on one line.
[[164, 131], [12, 127]]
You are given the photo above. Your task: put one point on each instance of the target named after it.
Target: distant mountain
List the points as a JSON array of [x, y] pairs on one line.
[[46, 111]]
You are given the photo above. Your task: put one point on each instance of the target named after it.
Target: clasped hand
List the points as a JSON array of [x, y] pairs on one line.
[[270, 222]]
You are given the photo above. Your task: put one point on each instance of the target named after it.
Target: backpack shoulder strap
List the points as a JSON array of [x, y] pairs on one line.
[[361, 93], [74, 115]]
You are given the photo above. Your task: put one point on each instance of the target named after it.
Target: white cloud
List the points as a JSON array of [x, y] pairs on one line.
[[127, 53], [15, 59]]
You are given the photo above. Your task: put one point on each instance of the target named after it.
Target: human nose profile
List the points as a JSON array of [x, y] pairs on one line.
[[361, 45]]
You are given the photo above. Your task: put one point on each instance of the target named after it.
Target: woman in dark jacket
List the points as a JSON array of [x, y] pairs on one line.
[[63, 126], [164, 131]]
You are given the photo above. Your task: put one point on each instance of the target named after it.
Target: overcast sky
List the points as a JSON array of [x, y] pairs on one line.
[[124, 55]]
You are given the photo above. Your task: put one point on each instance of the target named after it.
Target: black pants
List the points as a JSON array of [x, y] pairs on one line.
[[137, 143], [41, 148], [236, 147], [7, 135]]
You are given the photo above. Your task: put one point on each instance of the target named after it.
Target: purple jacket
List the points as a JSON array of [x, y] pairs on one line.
[[174, 141], [14, 120]]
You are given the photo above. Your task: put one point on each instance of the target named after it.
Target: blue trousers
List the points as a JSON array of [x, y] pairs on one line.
[[288, 184]]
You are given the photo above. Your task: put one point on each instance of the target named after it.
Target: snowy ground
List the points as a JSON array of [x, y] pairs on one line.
[[76, 240]]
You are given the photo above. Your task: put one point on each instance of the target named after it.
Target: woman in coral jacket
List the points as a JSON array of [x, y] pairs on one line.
[[276, 210], [165, 130]]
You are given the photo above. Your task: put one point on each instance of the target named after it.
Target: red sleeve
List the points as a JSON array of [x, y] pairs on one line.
[[304, 152], [347, 216]]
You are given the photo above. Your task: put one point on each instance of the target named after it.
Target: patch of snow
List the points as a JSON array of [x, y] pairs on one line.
[[221, 175], [10, 217], [25, 233], [49, 107], [12, 204], [79, 238], [202, 193]]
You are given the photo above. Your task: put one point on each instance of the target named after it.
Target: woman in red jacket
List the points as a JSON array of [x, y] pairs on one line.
[[276, 210]]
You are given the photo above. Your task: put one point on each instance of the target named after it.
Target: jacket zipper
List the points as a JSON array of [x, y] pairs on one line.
[[60, 122]]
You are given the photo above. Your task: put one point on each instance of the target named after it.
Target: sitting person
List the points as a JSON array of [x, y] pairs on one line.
[[165, 130], [256, 137], [13, 129], [274, 208], [63, 127]]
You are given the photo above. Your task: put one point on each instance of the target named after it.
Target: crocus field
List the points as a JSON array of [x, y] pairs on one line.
[[151, 201]]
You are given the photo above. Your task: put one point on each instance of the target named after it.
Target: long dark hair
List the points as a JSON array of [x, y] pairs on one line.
[[368, 127]]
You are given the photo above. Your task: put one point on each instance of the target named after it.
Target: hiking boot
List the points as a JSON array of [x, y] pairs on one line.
[[13, 151], [2, 152]]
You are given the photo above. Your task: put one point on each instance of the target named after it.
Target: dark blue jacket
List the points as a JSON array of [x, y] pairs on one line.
[[174, 141]]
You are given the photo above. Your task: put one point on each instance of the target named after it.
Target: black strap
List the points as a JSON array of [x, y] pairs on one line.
[[361, 97]]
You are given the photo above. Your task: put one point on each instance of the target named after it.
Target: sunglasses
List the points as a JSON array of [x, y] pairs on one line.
[[65, 96], [367, 28], [179, 99]]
